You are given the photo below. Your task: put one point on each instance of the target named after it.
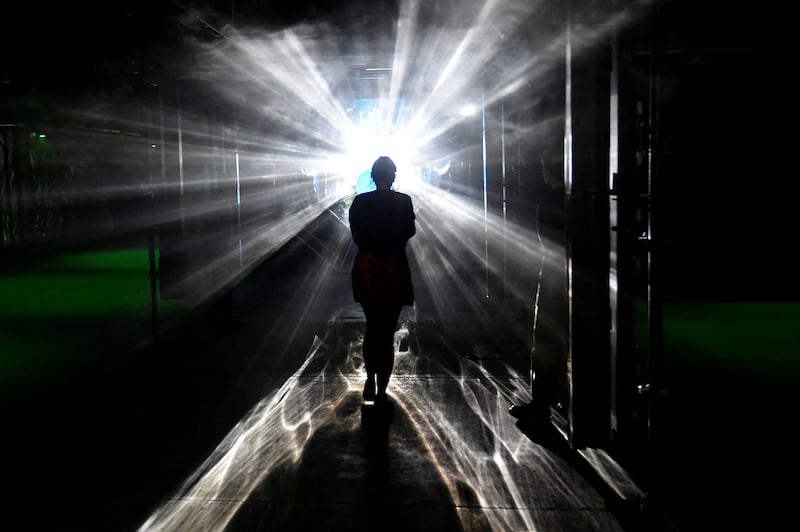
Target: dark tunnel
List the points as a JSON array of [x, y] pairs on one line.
[[603, 333]]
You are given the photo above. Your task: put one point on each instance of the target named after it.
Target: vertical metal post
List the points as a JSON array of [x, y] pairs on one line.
[[238, 190], [6, 216], [180, 165], [503, 185], [658, 371], [485, 195], [151, 233], [568, 179], [239, 208], [586, 184]]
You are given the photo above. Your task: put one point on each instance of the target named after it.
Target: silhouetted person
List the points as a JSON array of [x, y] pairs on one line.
[[381, 222]]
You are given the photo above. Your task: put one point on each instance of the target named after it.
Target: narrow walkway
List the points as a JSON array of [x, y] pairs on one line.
[[443, 455]]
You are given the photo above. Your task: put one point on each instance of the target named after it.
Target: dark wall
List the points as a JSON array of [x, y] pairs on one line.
[[729, 125]]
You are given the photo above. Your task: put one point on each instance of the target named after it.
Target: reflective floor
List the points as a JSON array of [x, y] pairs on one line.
[[238, 435], [443, 454], [258, 425]]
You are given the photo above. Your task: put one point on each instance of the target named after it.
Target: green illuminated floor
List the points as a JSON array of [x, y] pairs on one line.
[[63, 314], [758, 339]]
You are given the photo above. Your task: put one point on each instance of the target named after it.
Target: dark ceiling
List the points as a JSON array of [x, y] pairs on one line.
[[56, 47]]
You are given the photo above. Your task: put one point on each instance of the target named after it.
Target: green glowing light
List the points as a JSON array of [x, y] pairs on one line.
[[66, 312], [754, 338]]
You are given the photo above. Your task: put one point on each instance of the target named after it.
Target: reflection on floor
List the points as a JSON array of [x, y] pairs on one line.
[[443, 455], [260, 427]]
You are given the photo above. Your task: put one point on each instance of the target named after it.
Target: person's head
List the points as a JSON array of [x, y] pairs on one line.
[[383, 171]]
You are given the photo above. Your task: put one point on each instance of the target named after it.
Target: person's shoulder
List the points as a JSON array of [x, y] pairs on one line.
[[360, 197]]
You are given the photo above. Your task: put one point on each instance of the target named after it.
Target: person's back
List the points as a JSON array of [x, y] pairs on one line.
[[381, 223]]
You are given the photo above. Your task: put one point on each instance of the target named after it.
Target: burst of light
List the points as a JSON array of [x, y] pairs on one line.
[[296, 87], [469, 109], [301, 101]]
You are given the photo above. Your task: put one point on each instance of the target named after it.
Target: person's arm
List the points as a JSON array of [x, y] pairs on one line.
[[410, 219], [354, 220]]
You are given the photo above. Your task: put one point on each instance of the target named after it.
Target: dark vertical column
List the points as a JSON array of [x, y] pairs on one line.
[[6, 215], [586, 186], [153, 229], [19, 149], [171, 232], [657, 385], [629, 286]]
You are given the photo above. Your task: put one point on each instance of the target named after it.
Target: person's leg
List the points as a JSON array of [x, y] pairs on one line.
[[385, 355], [378, 348], [368, 351]]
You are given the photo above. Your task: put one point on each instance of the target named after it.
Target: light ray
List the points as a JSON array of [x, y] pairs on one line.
[[287, 95], [490, 468]]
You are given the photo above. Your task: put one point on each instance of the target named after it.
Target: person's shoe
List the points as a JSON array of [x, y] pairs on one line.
[[530, 412], [533, 418]]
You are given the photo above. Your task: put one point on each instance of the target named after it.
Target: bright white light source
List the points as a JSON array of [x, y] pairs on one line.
[[469, 109]]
